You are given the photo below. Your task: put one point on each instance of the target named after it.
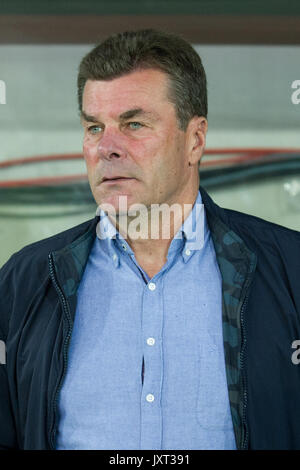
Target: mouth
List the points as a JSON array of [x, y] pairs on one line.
[[116, 179]]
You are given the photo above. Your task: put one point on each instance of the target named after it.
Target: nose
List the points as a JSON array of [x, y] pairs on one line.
[[111, 145]]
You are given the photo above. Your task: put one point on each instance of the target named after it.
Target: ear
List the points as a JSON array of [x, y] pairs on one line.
[[196, 133]]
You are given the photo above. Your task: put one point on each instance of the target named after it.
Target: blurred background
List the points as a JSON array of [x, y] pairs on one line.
[[251, 54]]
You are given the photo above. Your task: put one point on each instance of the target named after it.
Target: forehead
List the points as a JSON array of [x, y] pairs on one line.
[[143, 88]]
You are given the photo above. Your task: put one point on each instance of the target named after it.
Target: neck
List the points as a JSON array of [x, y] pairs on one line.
[[150, 233]]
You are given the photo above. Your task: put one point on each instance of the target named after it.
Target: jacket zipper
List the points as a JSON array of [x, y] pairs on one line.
[[245, 434], [52, 430]]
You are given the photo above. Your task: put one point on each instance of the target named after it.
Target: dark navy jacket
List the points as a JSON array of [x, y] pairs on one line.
[[260, 266]]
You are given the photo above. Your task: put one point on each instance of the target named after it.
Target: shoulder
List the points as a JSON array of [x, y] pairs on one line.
[[255, 231], [27, 270], [37, 252], [259, 232]]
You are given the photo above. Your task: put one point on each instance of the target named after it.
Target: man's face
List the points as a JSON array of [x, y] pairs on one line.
[[131, 131]]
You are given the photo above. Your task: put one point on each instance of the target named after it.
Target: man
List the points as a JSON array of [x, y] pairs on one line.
[[120, 337]]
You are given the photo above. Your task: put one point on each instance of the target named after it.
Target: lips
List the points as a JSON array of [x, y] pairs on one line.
[[115, 178]]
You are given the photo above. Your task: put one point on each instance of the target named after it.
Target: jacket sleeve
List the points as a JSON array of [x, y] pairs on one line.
[[8, 435]]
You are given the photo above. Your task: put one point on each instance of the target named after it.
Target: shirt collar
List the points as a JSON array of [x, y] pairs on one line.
[[188, 239], [193, 230]]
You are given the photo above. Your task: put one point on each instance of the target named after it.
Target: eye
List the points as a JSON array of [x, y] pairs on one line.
[[94, 129], [135, 125]]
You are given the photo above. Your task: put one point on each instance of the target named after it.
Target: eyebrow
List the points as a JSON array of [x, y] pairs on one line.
[[136, 112]]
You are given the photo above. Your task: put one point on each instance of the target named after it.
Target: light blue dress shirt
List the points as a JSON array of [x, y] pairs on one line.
[[146, 367]]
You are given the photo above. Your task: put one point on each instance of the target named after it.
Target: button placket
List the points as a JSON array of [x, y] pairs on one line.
[[152, 319]]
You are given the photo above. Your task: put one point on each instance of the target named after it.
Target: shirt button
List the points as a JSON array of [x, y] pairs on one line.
[[150, 397], [151, 285], [124, 247], [114, 257], [188, 252], [150, 341]]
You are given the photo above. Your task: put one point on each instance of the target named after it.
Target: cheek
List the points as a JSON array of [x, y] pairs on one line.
[[89, 153], [148, 153]]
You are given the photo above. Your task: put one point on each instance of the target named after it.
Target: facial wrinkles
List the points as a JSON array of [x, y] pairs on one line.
[[156, 155], [126, 92], [139, 149]]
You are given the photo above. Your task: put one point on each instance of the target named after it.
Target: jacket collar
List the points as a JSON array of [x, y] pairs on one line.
[[72, 258]]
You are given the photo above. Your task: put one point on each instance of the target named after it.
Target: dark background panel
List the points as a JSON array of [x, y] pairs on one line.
[[205, 22]]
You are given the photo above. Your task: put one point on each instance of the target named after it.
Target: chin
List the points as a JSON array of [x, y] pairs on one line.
[[115, 204]]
